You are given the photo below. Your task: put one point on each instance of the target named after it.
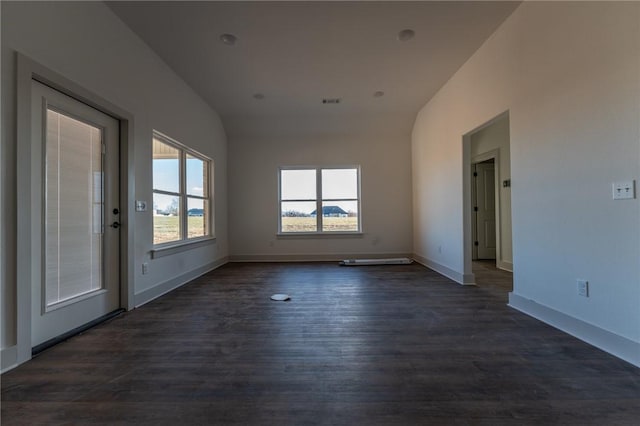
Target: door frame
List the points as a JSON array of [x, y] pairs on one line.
[[467, 205], [494, 155], [28, 228]]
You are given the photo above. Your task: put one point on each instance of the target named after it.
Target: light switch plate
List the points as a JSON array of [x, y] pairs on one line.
[[624, 190], [583, 288], [141, 206]]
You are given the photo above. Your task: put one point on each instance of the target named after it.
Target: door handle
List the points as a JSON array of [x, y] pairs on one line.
[[115, 225]]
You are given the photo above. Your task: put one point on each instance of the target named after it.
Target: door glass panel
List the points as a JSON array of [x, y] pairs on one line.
[[74, 208]]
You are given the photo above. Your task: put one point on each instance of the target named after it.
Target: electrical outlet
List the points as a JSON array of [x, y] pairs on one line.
[[145, 268], [624, 190], [583, 288]]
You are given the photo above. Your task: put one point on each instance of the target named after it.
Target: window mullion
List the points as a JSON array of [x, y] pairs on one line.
[[318, 199], [183, 194], [197, 197], [160, 191]]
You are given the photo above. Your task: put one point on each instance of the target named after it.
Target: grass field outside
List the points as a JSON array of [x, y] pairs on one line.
[[167, 228], [329, 224]]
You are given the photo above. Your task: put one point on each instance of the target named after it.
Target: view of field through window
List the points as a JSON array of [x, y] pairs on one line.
[[173, 201], [337, 202], [165, 228]]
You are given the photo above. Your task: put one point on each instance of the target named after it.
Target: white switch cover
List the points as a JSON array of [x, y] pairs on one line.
[[583, 288], [624, 190], [141, 206]]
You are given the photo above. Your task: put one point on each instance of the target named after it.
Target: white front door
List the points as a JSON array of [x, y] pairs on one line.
[[486, 210], [76, 148]]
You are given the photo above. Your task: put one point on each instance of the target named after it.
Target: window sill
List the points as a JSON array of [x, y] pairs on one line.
[[170, 249], [305, 235]]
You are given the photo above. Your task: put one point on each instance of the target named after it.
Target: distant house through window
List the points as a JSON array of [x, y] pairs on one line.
[[333, 191], [181, 200]]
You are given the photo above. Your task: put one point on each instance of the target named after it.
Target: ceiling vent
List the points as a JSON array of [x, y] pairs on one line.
[[331, 101]]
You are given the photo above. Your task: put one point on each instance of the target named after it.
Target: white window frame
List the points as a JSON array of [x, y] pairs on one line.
[[183, 196], [319, 200]]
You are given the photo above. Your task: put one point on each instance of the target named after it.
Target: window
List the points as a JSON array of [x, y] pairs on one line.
[[181, 192], [334, 192]]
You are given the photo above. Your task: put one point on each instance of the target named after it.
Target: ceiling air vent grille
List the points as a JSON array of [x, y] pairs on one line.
[[331, 101]]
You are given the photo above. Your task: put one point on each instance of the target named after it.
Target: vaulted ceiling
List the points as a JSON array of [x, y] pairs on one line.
[[293, 55]]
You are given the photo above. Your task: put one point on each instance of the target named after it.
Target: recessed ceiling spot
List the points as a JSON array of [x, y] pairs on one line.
[[331, 101], [258, 96], [406, 35], [228, 39], [378, 94]]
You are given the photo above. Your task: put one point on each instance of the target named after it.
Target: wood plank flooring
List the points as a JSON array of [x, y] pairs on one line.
[[375, 345], [490, 277]]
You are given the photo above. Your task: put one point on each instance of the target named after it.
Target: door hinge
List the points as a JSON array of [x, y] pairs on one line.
[[475, 209], [475, 243], [475, 174]]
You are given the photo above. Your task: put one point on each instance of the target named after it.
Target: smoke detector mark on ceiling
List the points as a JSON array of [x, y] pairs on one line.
[[331, 100], [378, 94], [406, 35], [228, 39], [258, 96]]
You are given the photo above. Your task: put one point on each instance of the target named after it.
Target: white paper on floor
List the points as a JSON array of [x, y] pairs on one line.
[[280, 297]]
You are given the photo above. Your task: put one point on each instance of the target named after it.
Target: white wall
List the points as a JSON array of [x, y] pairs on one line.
[[254, 158], [86, 43], [569, 75], [490, 138]]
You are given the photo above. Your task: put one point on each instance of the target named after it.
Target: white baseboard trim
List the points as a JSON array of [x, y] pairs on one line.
[[462, 279], [9, 358], [506, 266], [312, 257], [163, 288], [612, 343]]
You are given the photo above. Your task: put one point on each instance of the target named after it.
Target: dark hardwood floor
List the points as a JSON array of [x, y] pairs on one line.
[[490, 277], [375, 345]]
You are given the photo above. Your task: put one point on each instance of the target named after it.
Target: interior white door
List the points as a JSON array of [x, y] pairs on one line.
[[486, 210], [76, 148]]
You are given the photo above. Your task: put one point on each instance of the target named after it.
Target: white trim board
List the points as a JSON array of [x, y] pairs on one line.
[[505, 266], [462, 279], [161, 289], [609, 342], [9, 357]]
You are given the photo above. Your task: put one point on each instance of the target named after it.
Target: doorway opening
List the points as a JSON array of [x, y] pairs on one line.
[[487, 207]]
